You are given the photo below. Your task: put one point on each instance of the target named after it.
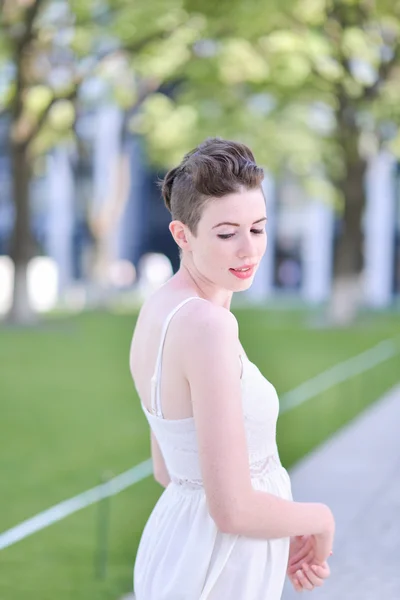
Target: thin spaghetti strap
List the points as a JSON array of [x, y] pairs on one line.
[[155, 380]]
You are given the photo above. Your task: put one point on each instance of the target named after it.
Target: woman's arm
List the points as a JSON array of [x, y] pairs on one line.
[[212, 369], [160, 472]]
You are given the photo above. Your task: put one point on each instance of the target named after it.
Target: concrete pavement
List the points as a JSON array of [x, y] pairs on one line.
[[357, 473]]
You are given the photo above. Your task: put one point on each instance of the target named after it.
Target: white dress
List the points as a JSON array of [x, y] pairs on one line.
[[182, 555]]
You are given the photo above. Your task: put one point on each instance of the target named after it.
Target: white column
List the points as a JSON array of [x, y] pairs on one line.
[[130, 228], [379, 230], [107, 147], [317, 249], [263, 281], [60, 220]]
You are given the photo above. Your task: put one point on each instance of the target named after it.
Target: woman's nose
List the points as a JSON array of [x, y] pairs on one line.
[[247, 248]]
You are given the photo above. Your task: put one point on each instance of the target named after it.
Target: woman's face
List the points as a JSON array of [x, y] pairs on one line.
[[231, 237]]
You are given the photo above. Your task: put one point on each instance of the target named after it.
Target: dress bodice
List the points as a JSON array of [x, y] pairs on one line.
[[177, 437]]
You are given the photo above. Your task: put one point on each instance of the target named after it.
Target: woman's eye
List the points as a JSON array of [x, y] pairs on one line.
[[226, 236]]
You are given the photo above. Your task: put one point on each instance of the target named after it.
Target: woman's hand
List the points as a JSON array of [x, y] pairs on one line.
[[302, 550], [303, 570], [307, 578]]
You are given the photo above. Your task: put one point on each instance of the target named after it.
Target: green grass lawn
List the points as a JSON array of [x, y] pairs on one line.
[[69, 413]]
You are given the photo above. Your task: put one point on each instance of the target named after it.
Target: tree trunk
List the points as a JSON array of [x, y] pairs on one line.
[[349, 260], [22, 248]]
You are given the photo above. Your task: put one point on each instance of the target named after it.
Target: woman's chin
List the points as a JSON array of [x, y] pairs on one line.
[[242, 285]]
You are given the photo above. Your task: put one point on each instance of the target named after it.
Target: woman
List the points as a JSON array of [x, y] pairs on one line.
[[222, 527]]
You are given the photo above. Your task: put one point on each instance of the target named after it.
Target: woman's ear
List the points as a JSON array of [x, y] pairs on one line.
[[180, 234]]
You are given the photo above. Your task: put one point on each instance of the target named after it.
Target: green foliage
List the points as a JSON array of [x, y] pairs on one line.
[[130, 48], [167, 127], [278, 76], [164, 58], [281, 78]]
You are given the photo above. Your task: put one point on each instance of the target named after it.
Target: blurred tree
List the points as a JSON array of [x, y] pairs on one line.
[[54, 55], [312, 85]]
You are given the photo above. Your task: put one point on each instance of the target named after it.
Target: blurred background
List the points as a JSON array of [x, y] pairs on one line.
[[98, 99]]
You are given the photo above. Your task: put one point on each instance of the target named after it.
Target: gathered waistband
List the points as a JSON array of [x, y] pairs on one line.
[[263, 467], [258, 471]]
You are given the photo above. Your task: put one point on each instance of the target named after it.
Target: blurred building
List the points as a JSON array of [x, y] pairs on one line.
[[102, 199], [6, 208]]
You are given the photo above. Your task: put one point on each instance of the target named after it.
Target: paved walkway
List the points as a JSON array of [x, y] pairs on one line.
[[357, 473]]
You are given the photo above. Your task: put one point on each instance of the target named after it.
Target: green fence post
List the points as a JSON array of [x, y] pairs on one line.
[[103, 528]]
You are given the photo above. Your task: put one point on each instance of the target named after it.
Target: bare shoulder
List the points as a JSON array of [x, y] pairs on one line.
[[198, 329], [208, 336], [204, 324]]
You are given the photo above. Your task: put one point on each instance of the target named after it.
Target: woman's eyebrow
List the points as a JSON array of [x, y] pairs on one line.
[[237, 224]]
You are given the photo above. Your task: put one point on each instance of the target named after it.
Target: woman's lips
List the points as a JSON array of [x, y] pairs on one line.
[[243, 274]]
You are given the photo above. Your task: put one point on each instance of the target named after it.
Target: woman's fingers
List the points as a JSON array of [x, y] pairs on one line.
[[309, 577], [294, 566], [301, 552], [296, 583], [298, 564], [323, 571], [302, 576]]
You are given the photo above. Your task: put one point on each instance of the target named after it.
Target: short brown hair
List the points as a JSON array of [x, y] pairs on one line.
[[215, 168]]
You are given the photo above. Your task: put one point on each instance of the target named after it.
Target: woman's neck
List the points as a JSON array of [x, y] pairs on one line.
[[188, 277]]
